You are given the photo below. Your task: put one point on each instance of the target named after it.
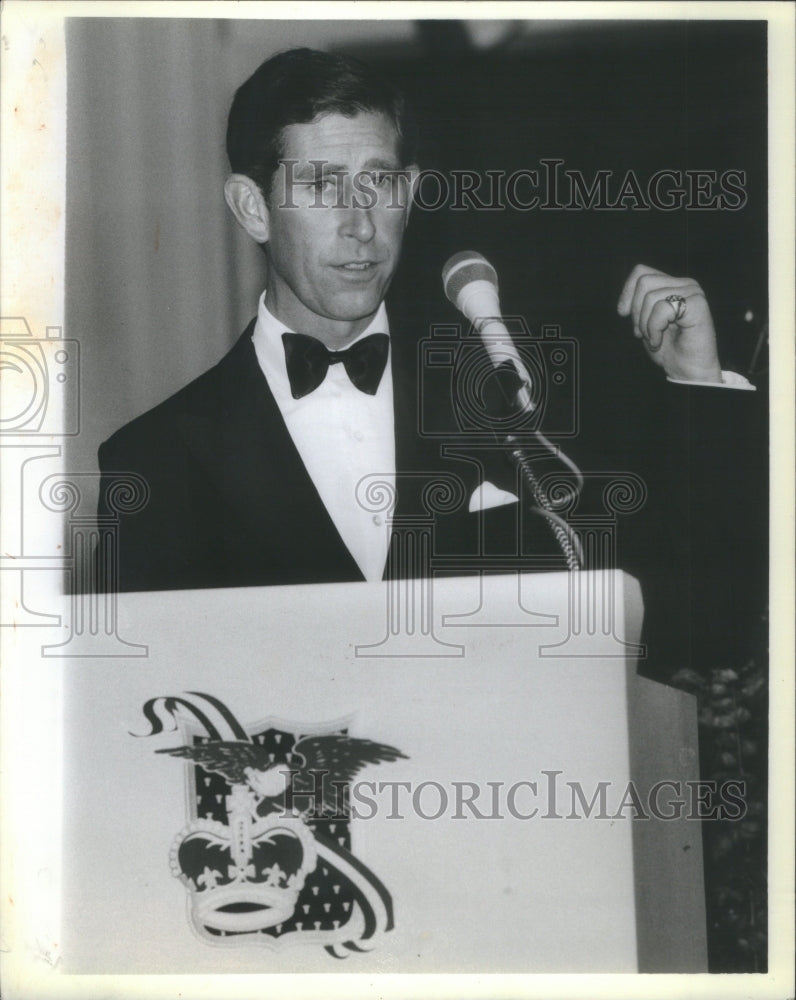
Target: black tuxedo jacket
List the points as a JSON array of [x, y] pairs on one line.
[[231, 504]]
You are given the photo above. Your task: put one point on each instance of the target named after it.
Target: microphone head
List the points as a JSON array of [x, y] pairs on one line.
[[462, 269]]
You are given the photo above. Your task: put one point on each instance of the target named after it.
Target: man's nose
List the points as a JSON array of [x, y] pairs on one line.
[[357, 220]]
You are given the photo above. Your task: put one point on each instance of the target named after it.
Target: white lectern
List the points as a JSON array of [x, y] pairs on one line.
[[522, 830]]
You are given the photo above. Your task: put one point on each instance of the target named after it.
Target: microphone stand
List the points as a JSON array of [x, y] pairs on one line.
[[544, 507], [517, 398]]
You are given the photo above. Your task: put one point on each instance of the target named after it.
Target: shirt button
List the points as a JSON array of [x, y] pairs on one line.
[[358, 435], [377, 520]]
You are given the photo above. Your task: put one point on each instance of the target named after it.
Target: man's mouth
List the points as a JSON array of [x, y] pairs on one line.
[[363, 265]]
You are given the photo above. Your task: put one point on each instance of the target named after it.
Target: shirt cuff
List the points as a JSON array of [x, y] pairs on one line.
[[729, 380]]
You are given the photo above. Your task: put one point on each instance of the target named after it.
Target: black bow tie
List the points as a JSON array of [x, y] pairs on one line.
[[307, 361]]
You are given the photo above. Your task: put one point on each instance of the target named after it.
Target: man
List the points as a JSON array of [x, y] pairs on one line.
[[253, 470]]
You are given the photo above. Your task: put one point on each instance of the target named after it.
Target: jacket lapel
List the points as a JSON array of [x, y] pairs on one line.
[[277, 522], [242, 442]]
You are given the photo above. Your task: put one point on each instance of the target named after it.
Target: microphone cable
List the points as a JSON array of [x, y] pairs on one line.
[[567, 539]]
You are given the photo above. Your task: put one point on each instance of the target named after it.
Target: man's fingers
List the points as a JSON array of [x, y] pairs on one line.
[[660, 317], [626, 295], [660, 294], [654, 286], [678, 334]]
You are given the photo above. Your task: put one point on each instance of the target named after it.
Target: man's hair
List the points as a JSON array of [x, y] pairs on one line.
[[296, 88]]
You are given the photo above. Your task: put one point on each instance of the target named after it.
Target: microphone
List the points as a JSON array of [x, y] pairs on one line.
[[471, 284]]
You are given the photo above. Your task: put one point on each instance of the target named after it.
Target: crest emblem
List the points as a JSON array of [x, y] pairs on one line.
[[266, 852]]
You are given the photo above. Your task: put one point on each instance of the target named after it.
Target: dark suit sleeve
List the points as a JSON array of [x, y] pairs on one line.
[[157, 543], [701, 549]]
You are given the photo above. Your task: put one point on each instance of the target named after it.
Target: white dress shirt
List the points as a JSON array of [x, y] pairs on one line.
[[342, 435]]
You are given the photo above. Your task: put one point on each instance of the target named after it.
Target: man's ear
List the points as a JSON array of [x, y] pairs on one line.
[[413, 172], [247, 204]]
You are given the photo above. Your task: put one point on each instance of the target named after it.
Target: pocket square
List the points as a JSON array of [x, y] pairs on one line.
[[487, 495]]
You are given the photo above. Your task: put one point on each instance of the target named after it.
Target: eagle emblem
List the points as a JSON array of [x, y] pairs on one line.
[[266, 853]]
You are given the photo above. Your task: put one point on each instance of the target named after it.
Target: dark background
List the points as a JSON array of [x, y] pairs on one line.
[[640, 96]]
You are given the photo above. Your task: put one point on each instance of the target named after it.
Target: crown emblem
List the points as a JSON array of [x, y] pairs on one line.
[[245, 875], [266, 852]]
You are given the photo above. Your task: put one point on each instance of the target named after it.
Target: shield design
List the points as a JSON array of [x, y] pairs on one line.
[[266, 852]]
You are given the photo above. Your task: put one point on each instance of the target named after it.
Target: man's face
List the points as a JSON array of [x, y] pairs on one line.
[[337, 210]]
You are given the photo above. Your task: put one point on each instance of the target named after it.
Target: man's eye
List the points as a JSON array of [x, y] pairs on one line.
[[385, 178]]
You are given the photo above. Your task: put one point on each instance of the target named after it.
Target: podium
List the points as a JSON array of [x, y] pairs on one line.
[[532, 824]]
